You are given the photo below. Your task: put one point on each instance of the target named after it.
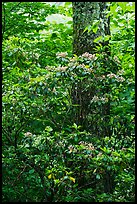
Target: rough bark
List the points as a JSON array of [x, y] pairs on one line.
[[84, 14]]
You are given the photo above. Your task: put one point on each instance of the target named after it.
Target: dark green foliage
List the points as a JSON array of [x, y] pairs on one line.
[[55, 150]]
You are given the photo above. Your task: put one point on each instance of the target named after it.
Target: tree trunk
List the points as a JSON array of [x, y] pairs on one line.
[[85, 14]]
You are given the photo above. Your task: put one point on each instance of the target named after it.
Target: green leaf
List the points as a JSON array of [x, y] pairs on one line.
[[98, 39], [66, 177], [88, 28], [75, 126], [48, 129], [31, 171], [97, 176], [95, 26]]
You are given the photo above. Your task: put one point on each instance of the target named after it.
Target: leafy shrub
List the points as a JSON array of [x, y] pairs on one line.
[[68, 122]]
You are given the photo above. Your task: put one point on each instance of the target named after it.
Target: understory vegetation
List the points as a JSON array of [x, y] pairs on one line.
[[58, 142]]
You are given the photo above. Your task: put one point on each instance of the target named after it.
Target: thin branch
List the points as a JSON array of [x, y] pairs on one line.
[[17, 133], [21, 127], [85, 185], [15, 7], [5, 131], [19, 175], [7, 135]]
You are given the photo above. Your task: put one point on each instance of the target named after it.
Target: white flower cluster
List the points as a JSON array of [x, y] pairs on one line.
[[73, 59], [86, 67], [87, 145], [118, 78], [111, 75], [88, 55], [62, 68], [101, 99], [62, 54], [101, 77], [120, 72], [116, 59], [72, 148], [83, 65], [28, 134]]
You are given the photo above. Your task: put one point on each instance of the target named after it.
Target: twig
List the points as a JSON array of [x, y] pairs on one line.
[[19, 175], [15, 7], [85, 185], [7, 135], [21, 172]]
